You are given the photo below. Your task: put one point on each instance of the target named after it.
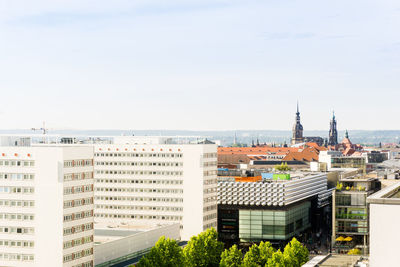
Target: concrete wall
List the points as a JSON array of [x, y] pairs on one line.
[[384, 235]]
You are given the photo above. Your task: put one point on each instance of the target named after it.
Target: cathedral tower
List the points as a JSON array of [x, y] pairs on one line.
[[333, 135], [297, 129]]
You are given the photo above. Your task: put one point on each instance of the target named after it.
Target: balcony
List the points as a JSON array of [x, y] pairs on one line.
[[352, 216]]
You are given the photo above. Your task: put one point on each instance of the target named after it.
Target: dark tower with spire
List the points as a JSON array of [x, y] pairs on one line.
[[333, 135], [297, 129]]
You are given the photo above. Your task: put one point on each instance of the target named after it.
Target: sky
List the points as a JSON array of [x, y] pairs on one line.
[[199, 64]]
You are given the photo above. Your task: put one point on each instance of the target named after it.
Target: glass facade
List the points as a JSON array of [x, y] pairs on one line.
[[256, 225]]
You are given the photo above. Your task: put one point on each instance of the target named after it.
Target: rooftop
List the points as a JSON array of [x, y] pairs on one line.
[[106, 232], [388, 195]]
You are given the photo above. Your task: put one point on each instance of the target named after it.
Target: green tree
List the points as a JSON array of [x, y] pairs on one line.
[[204, 249], [165, 253], [278, 259], [231, 257], [295, 251], [282, 167], [258, 255]]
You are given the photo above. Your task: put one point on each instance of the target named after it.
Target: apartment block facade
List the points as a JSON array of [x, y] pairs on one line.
[[46, 206], [157, 183]]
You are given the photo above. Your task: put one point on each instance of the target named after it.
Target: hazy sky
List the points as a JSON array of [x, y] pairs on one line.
[[199, 64]]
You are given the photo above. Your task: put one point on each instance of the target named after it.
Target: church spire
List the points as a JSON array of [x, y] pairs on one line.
[[297, 129], [333, 135]]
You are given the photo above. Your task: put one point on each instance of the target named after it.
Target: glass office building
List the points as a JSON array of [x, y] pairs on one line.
[[282, 224]]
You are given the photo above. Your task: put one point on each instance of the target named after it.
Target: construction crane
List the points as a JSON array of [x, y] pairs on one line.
[[43, 129]]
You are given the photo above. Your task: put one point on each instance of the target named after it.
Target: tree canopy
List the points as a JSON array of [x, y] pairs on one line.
[[297, 252], [231, 257], [204, 249], [165, 253]]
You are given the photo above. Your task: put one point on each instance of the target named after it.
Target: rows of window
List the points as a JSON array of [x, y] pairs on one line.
[[139, 190], [78, 229], [209, 217], [78, 215], [209, 208], [78, 176], [209, 225], [17, 216], [78, 255], [140, 216], [17, 190], [210, 190], [19, 163], [210, 163], [130, 207], [139, 163], [209, 155], [17, 176], [210, 173], [149, 199], [78, 189], [78, 202], [85, 264], [16, 257], [209, 199], [17, 243], [210, 181], [128, 172], [17, 230], [140, 155], [135, 181], [17, 203], [78, 242], [78, 163]]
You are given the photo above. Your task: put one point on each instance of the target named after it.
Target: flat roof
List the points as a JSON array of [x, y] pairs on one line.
[[106, 232], [340, 260], [388, 195]]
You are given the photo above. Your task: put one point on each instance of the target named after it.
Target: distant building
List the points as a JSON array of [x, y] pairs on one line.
[[297, 136], [333, 134], [384, 220]]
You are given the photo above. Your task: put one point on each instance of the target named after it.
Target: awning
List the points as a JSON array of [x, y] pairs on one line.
[[340, 238], [348, 238]]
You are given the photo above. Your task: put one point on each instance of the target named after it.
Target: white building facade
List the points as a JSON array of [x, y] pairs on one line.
[[384, 219], [157, 183], [46, 206]]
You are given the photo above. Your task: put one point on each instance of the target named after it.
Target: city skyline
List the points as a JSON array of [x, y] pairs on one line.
[[175, 65]]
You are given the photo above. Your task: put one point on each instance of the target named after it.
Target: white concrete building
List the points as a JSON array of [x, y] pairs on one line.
[[384, 217], [126, 243], [46, 206], [156, 183]]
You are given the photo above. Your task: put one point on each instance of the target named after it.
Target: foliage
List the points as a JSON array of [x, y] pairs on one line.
[[339, 186], [278, 259], [295, 251], [354, 251], [231, 257], [282, 167], [165, 253], [204, 249], [258, 255]]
